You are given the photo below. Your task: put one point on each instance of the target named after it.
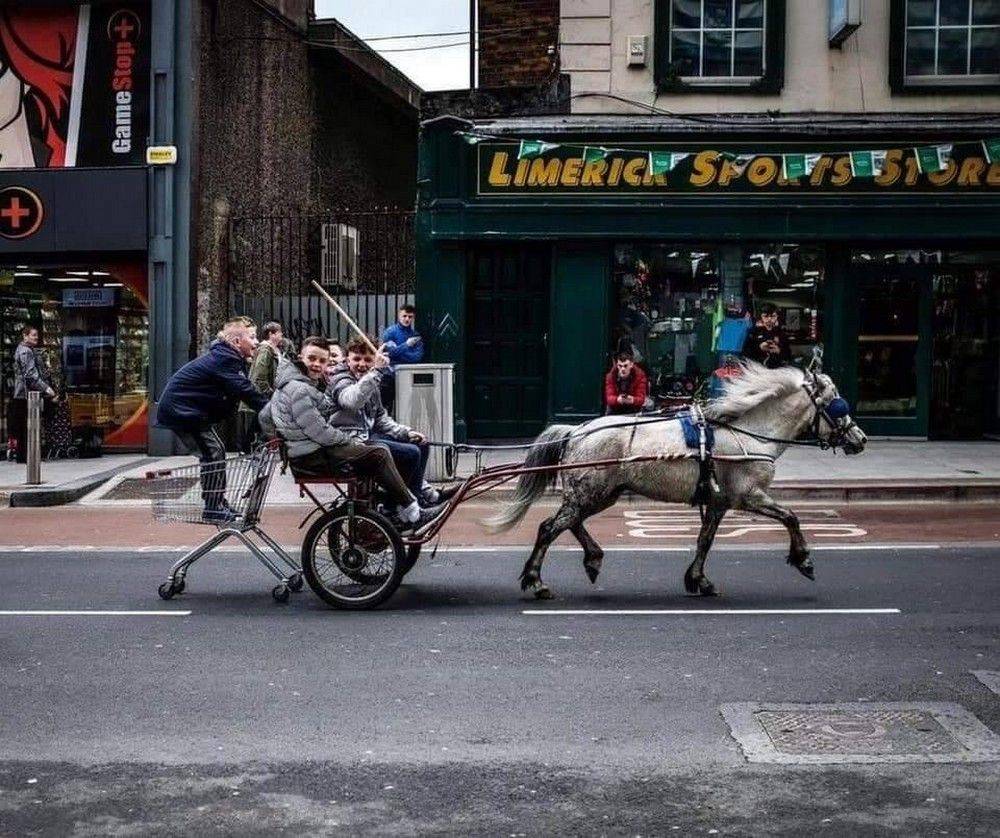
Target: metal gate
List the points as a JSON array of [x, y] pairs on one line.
[[365, 260]]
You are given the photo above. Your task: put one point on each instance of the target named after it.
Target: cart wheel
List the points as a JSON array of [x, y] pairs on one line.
[[281, 593], [295, 582], [167, 590], [353, 559], [412, 554]]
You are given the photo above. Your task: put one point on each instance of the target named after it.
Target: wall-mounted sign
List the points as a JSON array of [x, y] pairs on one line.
[[88, 297], [563, 171], [845, 18], [21, 212], [161, 155], [74, 84]]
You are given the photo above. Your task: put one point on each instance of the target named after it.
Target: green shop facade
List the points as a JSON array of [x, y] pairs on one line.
[[537, 261]]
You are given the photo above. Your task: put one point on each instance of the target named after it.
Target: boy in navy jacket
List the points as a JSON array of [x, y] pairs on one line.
[[403, 345], [203, 393]]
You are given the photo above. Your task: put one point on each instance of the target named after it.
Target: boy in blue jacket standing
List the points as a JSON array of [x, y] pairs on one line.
[[404, 345], [203, 393]]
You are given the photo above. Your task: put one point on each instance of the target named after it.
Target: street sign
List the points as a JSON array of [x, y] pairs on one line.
[[161, 155]]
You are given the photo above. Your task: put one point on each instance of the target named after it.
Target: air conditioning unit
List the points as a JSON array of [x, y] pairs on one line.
[[339, 259]]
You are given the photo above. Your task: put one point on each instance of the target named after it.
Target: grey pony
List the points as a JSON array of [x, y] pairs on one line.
[[779, 404]]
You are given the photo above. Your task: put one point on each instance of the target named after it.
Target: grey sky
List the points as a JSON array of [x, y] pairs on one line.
[[433, 69]]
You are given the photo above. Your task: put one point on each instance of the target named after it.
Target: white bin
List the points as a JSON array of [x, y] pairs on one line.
[[424, 402]]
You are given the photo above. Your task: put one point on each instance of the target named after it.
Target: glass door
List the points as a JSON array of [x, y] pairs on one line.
[[893, 347]]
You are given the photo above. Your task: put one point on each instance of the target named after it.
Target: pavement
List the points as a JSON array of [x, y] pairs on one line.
[[459, 709], [63, 481]]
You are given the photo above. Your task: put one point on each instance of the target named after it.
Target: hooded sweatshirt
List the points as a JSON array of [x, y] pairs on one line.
[[299, 412]]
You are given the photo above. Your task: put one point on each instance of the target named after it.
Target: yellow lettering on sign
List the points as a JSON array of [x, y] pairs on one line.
[[972, 170], [593, 173], [544, 172], [912, 171], [571, 171], [727, 173], [762, 171], [819, 170], [521, 174], [633, 171], [498, 170], [841, 171], [703, 168], [946, 176], [993, 175], [891, 171], [615, 177]]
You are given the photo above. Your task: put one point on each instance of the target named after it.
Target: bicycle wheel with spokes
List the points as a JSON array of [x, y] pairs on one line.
[[353, 559]]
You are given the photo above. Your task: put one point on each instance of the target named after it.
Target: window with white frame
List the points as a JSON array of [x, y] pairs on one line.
[[717, 39], [948, 40]]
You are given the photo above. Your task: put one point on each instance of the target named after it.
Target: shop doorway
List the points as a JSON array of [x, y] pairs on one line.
[[926, 343], [508, 360]]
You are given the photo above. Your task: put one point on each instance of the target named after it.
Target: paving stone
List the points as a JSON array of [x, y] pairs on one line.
[[860, 732], [989, 678]]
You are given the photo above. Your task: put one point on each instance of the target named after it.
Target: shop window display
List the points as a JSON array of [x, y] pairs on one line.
[[685, 311], [94, 332]]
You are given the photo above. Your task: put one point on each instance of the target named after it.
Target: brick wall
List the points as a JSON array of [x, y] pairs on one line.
[[518, 42]]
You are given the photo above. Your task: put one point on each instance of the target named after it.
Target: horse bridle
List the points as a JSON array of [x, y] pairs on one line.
[[835, 410]]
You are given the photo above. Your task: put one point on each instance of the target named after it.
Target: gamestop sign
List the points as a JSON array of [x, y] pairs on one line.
[[74, 85]]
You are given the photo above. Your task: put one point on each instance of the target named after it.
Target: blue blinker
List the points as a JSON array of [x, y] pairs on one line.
[[838, 408]]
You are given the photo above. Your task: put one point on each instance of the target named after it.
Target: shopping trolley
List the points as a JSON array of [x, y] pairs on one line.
[[228, 495]]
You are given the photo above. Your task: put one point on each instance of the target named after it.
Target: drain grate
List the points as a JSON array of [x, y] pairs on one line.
[[860, 733], [138, 488]]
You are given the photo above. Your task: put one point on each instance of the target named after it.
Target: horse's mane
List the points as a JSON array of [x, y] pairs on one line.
[[753, 385]]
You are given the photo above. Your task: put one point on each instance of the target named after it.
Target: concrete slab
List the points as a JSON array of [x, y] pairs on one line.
[[860, 732]]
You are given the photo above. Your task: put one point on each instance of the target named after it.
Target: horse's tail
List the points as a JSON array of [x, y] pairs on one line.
[[547, 451]]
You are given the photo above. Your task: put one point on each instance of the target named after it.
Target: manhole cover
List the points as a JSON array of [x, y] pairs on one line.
[[138, 488], [860, 732]]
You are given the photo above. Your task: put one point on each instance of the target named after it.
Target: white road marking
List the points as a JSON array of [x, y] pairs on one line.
[[706, 612], [660, 522], [95, 613]]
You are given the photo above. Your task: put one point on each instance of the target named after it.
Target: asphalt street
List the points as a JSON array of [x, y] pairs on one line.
[[452, 711]]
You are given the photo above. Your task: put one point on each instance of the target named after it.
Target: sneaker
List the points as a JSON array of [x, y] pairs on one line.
[[431, 495], [427, 514], [220, 515]]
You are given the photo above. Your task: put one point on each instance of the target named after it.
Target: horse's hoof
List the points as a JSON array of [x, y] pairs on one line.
[[804, 565], [692, 584], [706, 588], [593, 571], [541, 590]]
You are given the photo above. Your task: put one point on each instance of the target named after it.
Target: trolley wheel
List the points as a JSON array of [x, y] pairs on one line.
[[281, 593], [353, 559], [167, 590], [410, 559], [295, 582]]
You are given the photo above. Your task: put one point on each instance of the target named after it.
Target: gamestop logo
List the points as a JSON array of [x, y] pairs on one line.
[[124, 29]]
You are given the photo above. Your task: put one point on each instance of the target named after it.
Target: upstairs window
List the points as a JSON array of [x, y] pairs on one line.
[[946, 43], [719, 45]]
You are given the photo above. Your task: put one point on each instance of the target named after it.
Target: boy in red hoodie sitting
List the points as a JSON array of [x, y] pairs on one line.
[[625, 386]]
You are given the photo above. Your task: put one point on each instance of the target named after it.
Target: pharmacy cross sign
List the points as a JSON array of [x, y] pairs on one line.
[[21, 212]]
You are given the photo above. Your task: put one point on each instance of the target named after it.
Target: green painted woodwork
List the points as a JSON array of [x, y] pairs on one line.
[[578, 343]]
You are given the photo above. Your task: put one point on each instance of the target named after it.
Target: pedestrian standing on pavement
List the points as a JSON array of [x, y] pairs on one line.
[[299, 413], [31, 374], [203, 393], [625, 386], [263, 370], [403, 345], [766, 343]]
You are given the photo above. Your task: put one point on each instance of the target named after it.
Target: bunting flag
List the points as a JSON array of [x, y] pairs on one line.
[[795, 166], [992, 149], [471, 139], [661, 162], [591, 154], [534, 148], [867, 163], [932, 158], [737, 162]]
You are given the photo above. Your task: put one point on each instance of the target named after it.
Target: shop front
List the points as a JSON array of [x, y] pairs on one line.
[[538, 260]]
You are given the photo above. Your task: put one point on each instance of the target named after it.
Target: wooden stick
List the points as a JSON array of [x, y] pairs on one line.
[[345, 315]]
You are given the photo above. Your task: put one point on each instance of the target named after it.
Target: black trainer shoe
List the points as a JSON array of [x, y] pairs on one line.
[[427, 514]]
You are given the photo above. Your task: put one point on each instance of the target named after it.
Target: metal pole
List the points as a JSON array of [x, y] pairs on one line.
[[472, 44], [34, 438]]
